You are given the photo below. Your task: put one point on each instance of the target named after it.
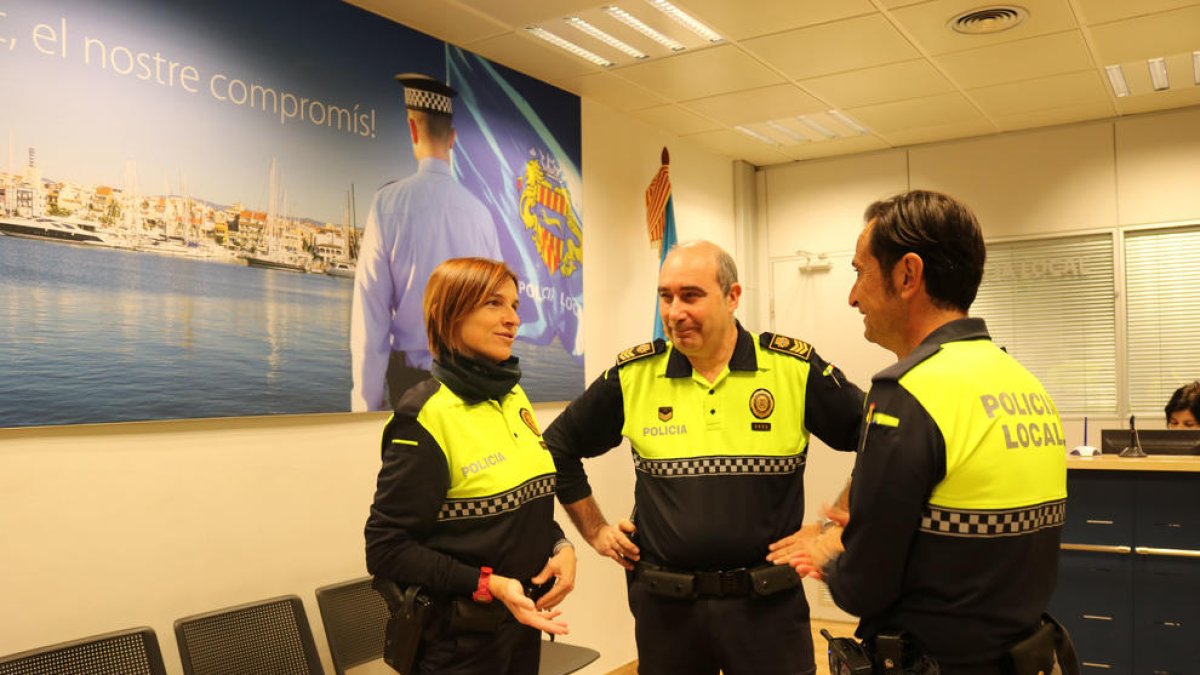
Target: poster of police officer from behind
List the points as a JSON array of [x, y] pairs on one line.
[[187, 197]]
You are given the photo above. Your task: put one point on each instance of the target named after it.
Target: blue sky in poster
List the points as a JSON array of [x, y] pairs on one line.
[[106, 108]]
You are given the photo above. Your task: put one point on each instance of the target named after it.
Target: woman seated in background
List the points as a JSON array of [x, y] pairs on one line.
[[1183, 410], [464, 504]]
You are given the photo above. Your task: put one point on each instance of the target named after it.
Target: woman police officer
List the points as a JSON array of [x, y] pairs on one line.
[[464, 500]]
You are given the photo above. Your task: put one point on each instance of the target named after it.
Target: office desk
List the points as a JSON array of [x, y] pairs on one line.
[[1129, 572]]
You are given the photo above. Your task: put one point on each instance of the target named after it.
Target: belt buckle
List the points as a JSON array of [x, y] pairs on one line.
[[732, 581]]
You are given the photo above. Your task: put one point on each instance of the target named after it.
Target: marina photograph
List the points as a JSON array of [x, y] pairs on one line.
[[200, 261]]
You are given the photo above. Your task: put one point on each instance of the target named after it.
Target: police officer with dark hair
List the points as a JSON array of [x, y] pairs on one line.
[[719, 421], [957, 499]]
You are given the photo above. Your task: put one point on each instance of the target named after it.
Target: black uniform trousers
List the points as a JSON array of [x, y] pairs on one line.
[[747, 635], [513, 649]]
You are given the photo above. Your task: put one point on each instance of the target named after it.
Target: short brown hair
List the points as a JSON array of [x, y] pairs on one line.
[[456, 288]]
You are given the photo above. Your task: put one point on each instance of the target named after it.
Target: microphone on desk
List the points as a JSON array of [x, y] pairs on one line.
[[1134, 449]]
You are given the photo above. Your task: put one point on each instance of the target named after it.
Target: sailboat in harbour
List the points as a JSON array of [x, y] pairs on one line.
[[274, 255]]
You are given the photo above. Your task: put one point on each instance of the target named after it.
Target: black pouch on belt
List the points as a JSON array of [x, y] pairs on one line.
[[1034, 654], [468, 616], [667, 584], [773, 579], [410, 615]]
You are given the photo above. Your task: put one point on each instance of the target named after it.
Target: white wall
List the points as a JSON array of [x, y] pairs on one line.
[[112, 526], [1087, 176]]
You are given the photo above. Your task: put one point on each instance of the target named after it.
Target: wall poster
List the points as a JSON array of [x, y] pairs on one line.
[[183, 189]]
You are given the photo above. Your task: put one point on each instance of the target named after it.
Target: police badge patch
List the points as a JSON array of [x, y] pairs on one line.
[[527, 418], [762, 404], [665, 413]]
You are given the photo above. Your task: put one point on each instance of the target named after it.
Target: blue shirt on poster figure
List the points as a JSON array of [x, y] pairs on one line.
[[413, 225]]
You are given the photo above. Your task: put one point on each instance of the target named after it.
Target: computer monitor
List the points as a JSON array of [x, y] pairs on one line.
[[1154, 441]]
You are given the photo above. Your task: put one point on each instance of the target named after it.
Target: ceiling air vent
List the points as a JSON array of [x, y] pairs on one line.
[[988, 20]]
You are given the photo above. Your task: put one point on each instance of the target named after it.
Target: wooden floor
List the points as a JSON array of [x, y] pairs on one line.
[[836, 628]]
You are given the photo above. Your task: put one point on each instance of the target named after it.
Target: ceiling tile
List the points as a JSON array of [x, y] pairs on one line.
[[732, 20], [1046, 93], [944, 132], [442, 20], [952, 108], [892, 4], [842, 146], [739, 146], [1160, 100], [926, 23], [676, 119], [533, 57], [1046, 118], [708, 72], [836, 47], [1103, 11], [612, 91], [1146, 37], [520, 14], [1025, 59], [893, 82], [756, 105]]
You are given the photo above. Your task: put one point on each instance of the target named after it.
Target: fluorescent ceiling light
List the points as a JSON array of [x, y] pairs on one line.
[[636, 24], [685, 19], [790, 133], [569, 46], [581, 25], [817, 127], [1158, 74], [848, 121], [1116, 79], [1196, 67], [755, 135]]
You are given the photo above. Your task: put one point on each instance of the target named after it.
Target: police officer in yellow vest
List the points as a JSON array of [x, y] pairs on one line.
[[719, 421], [958, 492], [464, 505]]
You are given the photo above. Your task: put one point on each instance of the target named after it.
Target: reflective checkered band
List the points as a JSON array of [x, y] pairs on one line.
[[992, 523], [456, 509], [421, 99], [712, 466]]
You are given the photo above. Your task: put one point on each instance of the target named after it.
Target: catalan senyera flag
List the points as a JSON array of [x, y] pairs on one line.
[[660, 221]]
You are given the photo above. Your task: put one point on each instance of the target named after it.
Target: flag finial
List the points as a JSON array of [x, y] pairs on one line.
[[666, 156]]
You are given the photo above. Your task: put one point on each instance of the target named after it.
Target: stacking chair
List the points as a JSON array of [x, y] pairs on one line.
[[560, 659], [355, 617], [128, 652], [269, 636]]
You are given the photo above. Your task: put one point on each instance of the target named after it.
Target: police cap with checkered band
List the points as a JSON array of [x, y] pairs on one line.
[[425, 94]]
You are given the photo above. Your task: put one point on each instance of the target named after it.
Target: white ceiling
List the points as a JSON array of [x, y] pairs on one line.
[[892, 65]]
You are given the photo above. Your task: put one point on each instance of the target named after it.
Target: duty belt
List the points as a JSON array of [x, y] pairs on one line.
[[740, 582]]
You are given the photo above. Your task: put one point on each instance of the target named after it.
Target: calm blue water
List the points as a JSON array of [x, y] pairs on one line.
[[100, 335]]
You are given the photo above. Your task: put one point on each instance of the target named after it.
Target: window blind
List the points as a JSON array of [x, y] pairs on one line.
[[1162, 296], [1051, 304]]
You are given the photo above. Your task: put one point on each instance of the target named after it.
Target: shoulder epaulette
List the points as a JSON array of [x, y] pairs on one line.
[[641, 351], [786, 345]]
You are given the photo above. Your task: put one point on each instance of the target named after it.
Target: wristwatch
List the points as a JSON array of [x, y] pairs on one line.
[[483, 593]]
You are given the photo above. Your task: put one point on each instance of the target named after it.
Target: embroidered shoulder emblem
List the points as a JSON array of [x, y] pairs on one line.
[[527, 418], [786, 345], [641, 351]]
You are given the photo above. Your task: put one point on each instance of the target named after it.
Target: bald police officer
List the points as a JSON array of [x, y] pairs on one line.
[[957, 497], [414, 224], [719, 421]]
